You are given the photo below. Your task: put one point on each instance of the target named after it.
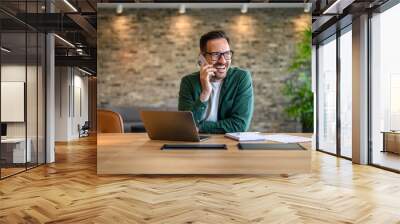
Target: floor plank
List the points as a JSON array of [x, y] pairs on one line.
[[387, 159], [69, 191]]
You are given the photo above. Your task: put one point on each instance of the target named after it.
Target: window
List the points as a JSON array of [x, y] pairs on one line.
[[385, 88], [346, 92], [327, 95]]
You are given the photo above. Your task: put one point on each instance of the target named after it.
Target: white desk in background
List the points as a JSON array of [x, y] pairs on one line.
[[16, 147]]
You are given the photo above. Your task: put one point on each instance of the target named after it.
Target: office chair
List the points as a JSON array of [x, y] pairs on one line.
[[109, 122], [84, 129]]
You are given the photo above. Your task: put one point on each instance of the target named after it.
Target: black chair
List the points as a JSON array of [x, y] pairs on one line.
[[84, 130]]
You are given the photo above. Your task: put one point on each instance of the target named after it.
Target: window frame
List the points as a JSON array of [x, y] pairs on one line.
[[343, 26], [381, 9]]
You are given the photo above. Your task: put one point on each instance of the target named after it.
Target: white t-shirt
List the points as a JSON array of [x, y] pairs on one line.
[[211, 113]]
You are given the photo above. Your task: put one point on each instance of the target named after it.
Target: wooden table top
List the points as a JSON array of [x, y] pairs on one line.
[[135, 153], [141, 141]]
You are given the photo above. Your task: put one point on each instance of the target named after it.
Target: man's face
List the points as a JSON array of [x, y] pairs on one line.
[[221, 64]]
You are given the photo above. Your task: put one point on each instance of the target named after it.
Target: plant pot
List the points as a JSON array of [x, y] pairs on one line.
[[307, 129]]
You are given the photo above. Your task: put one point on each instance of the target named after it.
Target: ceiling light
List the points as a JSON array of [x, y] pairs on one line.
[[5, 50], [79, 45], [70, 5], [120, 9], [244, 8], [65, 41], [338, 6], [84, 71], [182, 9], [80, 51]]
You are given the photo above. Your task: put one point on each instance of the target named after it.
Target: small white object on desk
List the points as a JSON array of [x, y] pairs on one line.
[[20, 154], [287, 138], [246, 136]]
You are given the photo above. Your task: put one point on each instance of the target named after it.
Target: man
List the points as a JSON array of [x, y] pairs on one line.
[[219, 96]]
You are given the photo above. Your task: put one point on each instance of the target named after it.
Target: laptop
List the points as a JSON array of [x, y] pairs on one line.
[[171, 126]]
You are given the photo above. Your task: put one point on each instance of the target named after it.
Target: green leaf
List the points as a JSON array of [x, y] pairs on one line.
[[297, 89]]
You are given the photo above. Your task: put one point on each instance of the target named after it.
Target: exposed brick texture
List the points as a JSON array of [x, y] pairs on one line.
[[143, 54]]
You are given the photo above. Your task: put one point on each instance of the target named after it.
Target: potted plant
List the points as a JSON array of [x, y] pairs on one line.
[[297, 87]]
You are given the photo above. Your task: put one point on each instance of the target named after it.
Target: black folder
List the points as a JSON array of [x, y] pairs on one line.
[[194, 147], [266, 146]]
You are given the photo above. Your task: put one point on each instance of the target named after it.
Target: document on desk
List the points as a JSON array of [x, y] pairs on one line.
[[246, 136], [287, 138]]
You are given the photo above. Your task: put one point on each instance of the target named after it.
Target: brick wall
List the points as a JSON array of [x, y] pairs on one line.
[[143, 54]]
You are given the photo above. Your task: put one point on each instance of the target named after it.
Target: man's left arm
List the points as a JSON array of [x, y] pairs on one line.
[[242, 111]]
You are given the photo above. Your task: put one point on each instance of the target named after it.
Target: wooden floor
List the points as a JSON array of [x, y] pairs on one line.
[[69, 191], [5, 172], [387, 159]]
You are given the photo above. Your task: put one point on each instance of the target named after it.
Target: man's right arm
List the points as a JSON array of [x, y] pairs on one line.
[[187, 101]]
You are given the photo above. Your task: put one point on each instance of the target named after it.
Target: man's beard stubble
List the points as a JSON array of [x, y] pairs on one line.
[[220, 76]]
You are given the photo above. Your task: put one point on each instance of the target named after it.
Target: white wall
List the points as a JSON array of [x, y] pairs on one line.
[[61, 103], [16, 73], [80, 110], [33, 126], [71, 94]]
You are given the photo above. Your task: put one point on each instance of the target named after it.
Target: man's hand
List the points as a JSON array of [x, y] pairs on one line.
[[206, 72]]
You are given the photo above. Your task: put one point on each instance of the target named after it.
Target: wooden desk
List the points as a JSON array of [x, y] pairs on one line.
[[135, 153], [391, 142], [13, 150]]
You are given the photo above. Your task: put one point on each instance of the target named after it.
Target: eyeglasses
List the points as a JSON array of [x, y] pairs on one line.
[[215, 56]]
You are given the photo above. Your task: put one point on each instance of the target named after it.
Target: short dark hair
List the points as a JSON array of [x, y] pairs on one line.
[[216, 34]]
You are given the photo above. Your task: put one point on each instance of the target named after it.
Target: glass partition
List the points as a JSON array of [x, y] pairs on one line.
[[327, 95], [31, 100], [346, 92], [22, 64], [385, 89], [41, 106], [13, 109]]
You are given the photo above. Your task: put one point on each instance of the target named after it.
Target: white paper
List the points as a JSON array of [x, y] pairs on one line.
[[287, 138], [246, 136]]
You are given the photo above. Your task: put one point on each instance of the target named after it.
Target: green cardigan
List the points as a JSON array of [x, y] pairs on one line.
[[236, 101]]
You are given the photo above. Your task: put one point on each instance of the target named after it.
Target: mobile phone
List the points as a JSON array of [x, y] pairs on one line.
[[202, 61]]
